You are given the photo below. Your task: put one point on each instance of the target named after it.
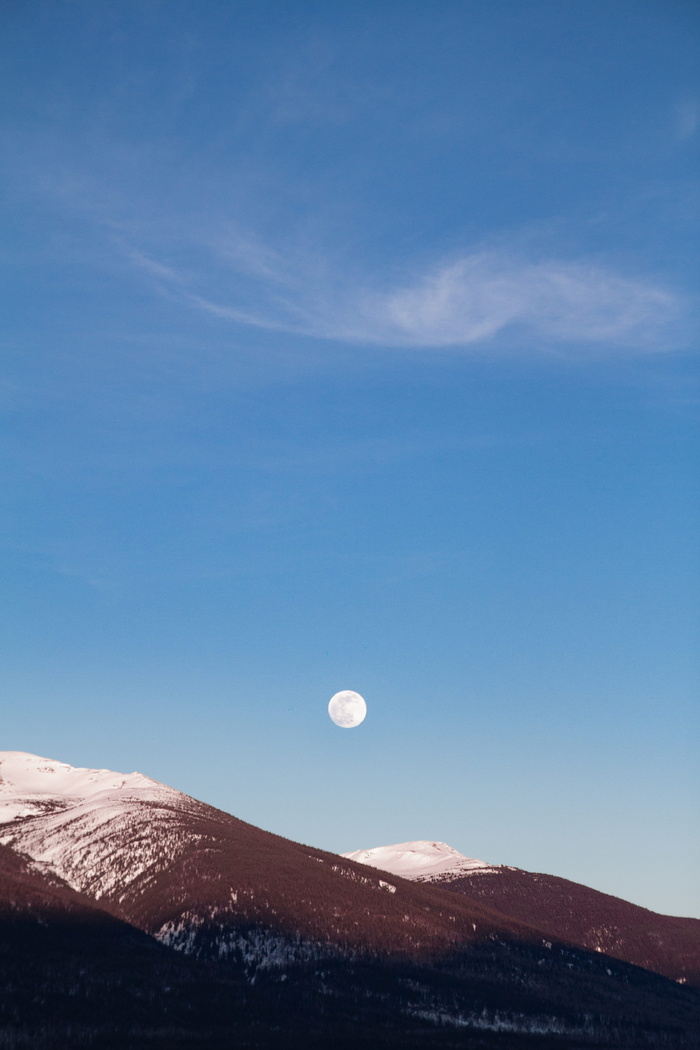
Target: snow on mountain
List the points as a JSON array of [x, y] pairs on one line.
[[420, 861], [53, 812], [213, 887], [208, 884], [26, 780], [564, 910]]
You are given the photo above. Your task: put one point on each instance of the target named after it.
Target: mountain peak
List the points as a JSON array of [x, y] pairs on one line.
[[418, 860], [27, 780]]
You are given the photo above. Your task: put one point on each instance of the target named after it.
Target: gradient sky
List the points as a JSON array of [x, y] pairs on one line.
[[352, 347]]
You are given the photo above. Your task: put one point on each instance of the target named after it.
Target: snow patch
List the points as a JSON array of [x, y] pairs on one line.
[[500, 1021], [256, 948], [76, 821], [418, 860], [23, 775]]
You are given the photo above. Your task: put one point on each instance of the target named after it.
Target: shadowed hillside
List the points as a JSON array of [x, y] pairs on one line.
[[597, 921]]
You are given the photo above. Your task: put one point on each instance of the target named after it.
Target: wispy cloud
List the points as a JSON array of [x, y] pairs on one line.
[[483, 295], [478, 299]]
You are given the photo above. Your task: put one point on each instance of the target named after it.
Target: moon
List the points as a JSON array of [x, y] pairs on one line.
[[347, 709]]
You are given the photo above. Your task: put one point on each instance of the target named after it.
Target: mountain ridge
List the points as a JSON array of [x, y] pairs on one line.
[[314, 948], [104, 843], [563, 909]]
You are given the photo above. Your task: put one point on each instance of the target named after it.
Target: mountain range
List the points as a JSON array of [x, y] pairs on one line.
[[562, 909], [133, 915]]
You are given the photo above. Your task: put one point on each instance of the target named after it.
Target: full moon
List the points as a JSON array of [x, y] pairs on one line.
[[347, 709]]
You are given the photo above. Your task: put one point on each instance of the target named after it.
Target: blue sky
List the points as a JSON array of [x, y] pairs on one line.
[[355, 349]]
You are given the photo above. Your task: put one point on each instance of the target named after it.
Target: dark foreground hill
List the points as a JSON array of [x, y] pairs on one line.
[[277, 945]]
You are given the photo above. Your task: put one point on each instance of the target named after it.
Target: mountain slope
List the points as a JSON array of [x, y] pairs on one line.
[[282, 945], [210, 884], [28, 892], [73, 975], [597, 921], [564, 910]]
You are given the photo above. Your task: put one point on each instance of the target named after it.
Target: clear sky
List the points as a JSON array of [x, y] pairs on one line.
[[351, 346]]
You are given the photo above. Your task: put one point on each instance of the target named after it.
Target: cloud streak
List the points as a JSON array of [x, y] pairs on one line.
[[485, 295], [477, 300]]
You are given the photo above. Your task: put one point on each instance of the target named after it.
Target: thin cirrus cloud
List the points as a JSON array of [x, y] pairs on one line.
[[482, 296], [485, 297]]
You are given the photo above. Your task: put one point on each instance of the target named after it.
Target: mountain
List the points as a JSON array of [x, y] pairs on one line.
[[564, 910], [210, 884], [73, 975], [149, 919], [29, 893], [422, 861]]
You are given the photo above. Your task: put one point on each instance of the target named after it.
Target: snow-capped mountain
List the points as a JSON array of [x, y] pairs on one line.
[[75, 821], [563, 909], [26, 780], [207, 883], [421, 860], [278, 944]]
